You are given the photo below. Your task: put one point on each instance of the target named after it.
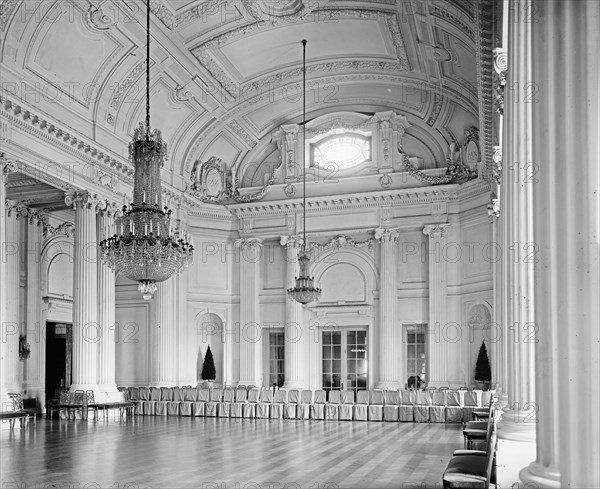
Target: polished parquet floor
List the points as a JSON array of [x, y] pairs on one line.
[[222, 453]]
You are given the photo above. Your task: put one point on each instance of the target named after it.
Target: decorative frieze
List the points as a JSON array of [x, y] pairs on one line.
[[341, 241]]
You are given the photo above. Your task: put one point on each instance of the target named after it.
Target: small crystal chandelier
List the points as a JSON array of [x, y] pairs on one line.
[[146, 250], [305, 291]]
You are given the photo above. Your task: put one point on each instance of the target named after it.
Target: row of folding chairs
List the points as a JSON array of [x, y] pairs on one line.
[[376, 405]]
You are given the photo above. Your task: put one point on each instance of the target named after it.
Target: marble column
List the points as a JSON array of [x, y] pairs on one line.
[[250, 327], [12, 263], [436, 345], [516, 428], [565, 133], [86, 330], [293, 361], [388, 297], [163, 337], [35, 329], [107, 388]]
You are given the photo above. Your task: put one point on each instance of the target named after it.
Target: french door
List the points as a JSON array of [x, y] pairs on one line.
[[345, 359]]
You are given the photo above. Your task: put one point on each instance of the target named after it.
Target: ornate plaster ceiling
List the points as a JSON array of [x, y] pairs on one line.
[[226, 73]]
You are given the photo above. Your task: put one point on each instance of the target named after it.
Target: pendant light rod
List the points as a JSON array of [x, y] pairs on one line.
[[304, 138], [147, 68]]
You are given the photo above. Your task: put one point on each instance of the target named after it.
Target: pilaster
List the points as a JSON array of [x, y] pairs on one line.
[[388, 297], [293, 361], [164, 336], [250, 326], [437, 347]]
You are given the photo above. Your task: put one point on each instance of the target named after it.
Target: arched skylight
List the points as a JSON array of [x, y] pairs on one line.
[[341, 151]]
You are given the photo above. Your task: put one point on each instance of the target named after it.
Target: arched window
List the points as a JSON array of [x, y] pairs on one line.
[[341, 151]]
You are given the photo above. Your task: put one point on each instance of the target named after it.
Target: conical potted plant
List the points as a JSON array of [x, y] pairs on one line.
[[209, 373], [483, 371]]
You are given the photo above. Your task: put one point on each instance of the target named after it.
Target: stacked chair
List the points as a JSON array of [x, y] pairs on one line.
[[392, 405], [376, 403], [407, 406], [362, 406], [332, 408], [432, 405], [346, 406]]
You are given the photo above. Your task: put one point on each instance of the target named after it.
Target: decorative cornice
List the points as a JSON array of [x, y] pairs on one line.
[[484, 22], [435, 230], [62, 139], [242, 133]]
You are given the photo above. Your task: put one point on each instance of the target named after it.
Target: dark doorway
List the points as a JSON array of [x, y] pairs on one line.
[[59, 347]]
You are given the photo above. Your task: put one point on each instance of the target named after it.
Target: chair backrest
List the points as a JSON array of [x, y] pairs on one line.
[[166, 394], [155, 393], [376, 398], [472, 398], [430, 388], [134, 393], [228, 394], [423, 398], [89, 394], [241, 386], [320, 396], [78, 397], [204, 394], [253, 394], [241, 394], [347, 397], [177, 394], [463, 388], [490, 459], [443, 388], [294, 396], [191, 394], [362, 397], [335, 397], [392, 397], [17, 401], [440, 398], [216, 395], [306, 397], [280, 396], [266, 395], [408, 397]]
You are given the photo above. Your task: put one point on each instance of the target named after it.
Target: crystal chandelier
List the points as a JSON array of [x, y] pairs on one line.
[[305, 291], [146, 249]]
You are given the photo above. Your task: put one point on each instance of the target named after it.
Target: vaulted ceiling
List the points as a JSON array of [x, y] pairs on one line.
[[226, 73]]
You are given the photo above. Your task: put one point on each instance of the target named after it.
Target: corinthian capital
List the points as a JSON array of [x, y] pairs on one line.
[[386, 235], [291, 241], [436, 230], [248, 243], [82, 199]]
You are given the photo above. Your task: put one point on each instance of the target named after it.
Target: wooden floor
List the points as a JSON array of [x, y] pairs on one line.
[[221, 453]]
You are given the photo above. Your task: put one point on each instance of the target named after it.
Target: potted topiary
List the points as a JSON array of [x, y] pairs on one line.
[[483, 371], [209, 372]]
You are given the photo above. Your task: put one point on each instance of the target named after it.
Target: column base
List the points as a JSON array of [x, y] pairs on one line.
[[389, 385], [516, 446], [536, 475]]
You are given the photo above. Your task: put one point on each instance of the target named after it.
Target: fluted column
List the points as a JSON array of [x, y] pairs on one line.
[[86, 329], [164, 336], [437, 348], [388, 297], [293, 362], [250, 327], [566, 230], [5, 401], [12, 264], [516, 429], [106, 314], [34, 330]]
